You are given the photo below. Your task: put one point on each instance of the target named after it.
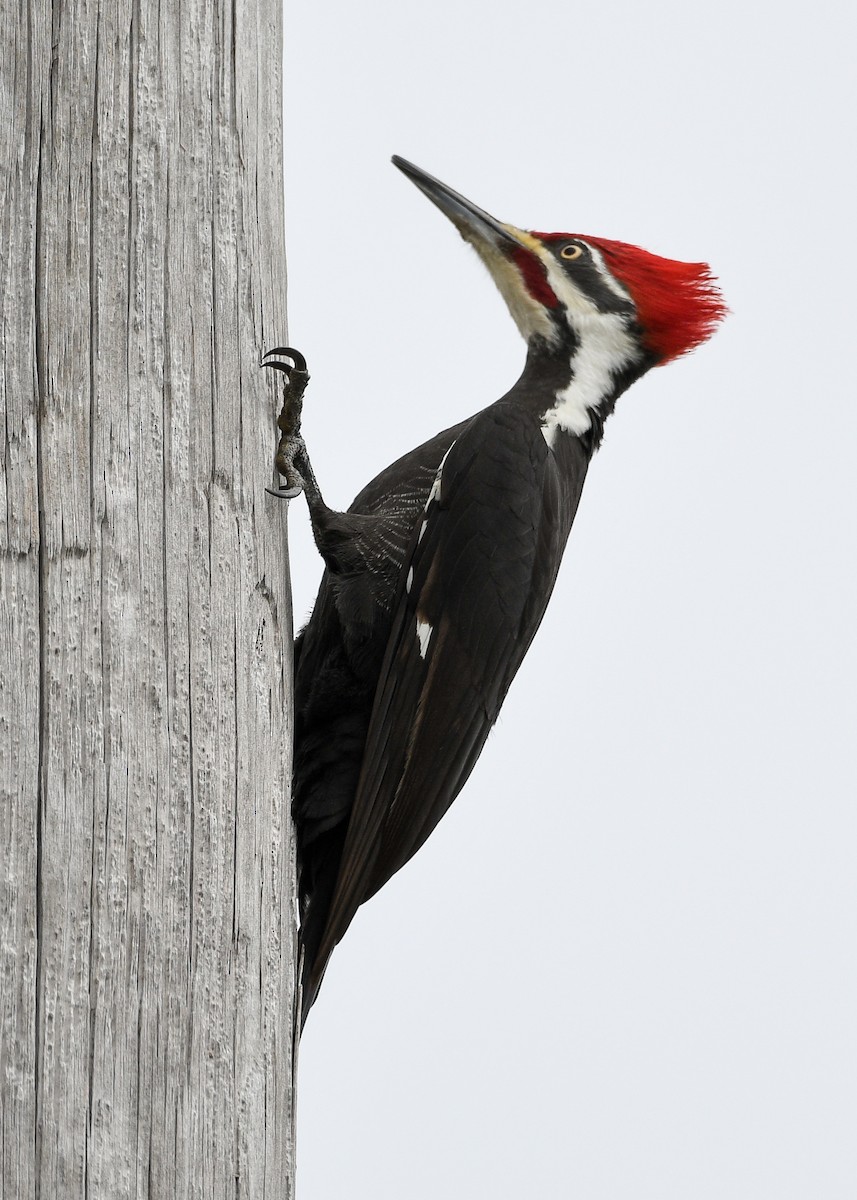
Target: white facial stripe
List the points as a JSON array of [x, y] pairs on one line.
[[604, 271], [574, 298], [604, 348], [604, 345]]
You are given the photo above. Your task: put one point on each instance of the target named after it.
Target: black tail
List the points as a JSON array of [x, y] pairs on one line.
[[314, 921]]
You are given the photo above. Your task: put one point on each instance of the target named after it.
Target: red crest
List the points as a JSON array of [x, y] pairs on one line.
[[679, 304]]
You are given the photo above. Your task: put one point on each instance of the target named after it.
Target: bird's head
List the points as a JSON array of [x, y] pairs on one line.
[[566, 288]]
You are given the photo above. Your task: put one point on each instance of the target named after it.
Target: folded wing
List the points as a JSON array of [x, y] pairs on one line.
[[481, 568]]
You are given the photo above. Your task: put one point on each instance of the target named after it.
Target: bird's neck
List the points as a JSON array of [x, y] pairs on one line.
[[576, 383]]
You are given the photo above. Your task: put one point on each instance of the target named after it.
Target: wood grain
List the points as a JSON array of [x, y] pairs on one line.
[[146, 916]]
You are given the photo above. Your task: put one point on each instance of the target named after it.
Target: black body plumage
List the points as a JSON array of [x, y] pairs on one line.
[[482, 575], [436, 580]]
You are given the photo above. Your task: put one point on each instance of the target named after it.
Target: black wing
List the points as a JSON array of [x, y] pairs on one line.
[[481, 569]]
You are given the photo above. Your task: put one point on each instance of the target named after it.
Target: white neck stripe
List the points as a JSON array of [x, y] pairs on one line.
[[604, 348]]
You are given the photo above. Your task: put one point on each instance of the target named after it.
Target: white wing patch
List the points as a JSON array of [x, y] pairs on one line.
[[424, 632], [435, 487], [424, 629]]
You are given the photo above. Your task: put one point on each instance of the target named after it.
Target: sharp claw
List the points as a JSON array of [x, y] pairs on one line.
[[289, 420], [284, 493], [287, 352]]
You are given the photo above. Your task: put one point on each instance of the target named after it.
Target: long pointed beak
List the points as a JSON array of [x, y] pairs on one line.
[[471, 221], [520, 277]]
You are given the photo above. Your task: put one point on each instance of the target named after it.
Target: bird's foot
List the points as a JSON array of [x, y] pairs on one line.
[[291, 451], [292, 462]]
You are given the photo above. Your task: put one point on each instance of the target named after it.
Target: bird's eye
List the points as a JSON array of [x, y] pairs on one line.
[[571, 251]]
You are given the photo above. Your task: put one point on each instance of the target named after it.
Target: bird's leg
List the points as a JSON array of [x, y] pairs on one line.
[[292, 459], [344, 540]]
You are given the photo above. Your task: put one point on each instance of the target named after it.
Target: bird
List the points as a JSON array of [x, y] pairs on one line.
[[438, 575]]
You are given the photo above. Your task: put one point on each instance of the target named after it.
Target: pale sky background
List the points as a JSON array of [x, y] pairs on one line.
[[625, 964]]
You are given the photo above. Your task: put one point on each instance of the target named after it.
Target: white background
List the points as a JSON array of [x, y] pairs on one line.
[[625, 964]]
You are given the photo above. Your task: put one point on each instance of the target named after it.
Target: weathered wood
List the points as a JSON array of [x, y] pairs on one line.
[[146, 915]]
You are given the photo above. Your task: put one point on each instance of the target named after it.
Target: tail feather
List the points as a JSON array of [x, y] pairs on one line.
[[313, 928]]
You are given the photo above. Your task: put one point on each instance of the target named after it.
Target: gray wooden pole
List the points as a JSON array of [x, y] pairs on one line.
[[146, 886]]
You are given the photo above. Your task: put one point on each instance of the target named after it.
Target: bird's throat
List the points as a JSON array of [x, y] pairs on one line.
[[603, 360]]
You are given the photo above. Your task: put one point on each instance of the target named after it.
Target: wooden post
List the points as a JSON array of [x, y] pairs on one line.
[[146, 886]]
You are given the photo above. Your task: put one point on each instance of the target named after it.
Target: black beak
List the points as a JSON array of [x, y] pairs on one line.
[[468, 218]]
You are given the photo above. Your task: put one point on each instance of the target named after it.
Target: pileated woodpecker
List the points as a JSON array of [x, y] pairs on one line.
[[439, 574]]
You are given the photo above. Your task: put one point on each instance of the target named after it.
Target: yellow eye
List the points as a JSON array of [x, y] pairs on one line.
[[571, 252]]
